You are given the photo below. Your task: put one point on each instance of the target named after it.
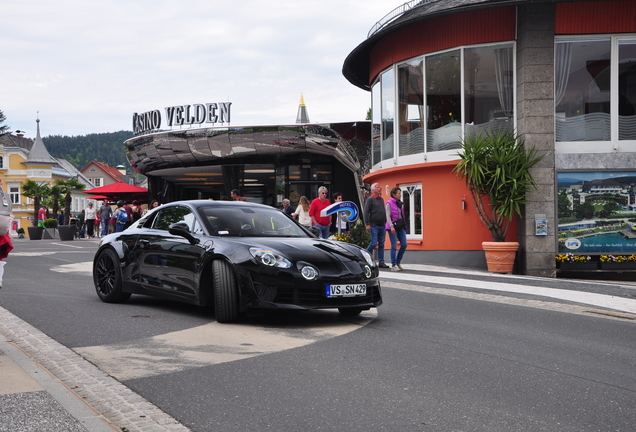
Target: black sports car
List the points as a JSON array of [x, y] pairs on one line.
[[236, 256]]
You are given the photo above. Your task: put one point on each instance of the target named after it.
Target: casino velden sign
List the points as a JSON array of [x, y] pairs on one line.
[[180, 115]]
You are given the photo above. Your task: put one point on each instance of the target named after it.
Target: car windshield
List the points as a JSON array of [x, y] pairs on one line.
[[249, 222]]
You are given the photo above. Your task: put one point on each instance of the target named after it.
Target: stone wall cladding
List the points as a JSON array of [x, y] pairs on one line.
[[535, 101]]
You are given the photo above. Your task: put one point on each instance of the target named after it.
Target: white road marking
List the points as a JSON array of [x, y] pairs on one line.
[[214, 343], [85, 268], [610, 302]]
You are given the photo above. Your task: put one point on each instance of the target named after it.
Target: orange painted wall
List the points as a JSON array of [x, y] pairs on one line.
[[445, 225]]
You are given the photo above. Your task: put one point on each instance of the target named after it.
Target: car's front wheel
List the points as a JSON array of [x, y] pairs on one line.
[[226, 299], [107, 278]]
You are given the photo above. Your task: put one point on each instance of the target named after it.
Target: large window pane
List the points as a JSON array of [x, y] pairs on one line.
[[376, 123], [388, 113], [488, 89], [443, 100], [411, 105], [582, 90], [627, 90]]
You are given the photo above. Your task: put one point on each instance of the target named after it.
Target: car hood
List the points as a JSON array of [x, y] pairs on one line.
[[306, 249]]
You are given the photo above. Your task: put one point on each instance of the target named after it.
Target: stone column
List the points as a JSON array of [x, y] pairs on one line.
[[535, 124]]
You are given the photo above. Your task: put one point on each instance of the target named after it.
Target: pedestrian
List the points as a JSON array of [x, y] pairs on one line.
[[287, 208], [236, 195], [89, 215], [129, 215], [302, 212], [136, 211], [323, 223], [105, 213], [396, 227], [339, 222], [60, 218], [375, 217], [120, 216], [6, 222], [41, 216]]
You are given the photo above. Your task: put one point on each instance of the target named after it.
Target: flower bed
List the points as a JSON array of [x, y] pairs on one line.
[[617, 262], [571, 262]]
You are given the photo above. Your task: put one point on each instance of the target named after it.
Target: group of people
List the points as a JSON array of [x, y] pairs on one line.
[[381, 218], [99, 222], [386, 217]]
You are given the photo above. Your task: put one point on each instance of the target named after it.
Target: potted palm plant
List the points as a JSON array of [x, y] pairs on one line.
[[35, 191], [66, 188], [496, 167]]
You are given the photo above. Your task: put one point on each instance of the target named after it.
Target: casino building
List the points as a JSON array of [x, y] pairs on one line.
[[561, 73]]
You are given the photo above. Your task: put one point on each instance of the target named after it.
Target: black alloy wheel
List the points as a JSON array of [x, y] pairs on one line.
[[107, 278]]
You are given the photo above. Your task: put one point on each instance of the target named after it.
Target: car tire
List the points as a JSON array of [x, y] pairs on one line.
[[107, 278], [350, 311], [226, 302]]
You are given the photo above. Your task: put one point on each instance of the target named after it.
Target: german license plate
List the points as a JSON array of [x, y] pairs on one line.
[[346, 290]]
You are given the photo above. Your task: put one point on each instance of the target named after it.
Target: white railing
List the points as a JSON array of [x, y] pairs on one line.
[[386, 19]]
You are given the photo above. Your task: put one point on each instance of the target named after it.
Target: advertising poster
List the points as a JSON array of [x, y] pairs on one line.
[[596, 212]]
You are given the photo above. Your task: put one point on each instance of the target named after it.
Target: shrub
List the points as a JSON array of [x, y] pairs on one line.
[[49, 223]]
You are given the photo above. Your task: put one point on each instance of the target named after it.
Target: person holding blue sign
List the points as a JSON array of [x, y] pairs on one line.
[[323, 223]]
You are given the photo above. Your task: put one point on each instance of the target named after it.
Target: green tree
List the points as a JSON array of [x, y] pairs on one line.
[[584, 211], [35, 191], [3, 129], [52, 199], [564, 206], [66, 188], [369, 114]]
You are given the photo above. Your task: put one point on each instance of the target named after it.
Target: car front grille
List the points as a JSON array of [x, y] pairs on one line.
[[316, 297]]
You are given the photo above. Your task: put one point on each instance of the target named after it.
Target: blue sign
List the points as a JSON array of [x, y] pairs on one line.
[[350, 209]]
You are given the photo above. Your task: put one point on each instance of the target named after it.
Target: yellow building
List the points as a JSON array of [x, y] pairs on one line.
[[24, 159]]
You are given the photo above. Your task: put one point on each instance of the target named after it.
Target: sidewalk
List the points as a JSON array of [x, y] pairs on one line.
[[45, 386]]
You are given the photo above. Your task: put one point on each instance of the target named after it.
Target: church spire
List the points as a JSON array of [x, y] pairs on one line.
[[302, 116], [38, 152]]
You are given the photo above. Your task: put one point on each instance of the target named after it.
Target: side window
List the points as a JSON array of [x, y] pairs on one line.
[[173, 214]]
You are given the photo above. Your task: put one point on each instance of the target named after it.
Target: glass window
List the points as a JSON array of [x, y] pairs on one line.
[[411, 106], [174, 214], [627, 90], [376, 123], [1, 162], [388, 114], [582, 75], [488, 89], [14, 193], [412, 199], [443, 101]]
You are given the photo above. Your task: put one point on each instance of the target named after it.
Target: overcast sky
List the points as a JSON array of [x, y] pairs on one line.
[[87, 66]]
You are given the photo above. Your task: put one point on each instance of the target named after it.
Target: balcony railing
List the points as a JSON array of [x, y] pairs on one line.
[[396, 13]]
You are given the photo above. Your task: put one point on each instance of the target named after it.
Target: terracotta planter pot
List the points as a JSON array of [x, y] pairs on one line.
[[500, 256]]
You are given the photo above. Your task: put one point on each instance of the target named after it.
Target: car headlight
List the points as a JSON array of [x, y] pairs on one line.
[[270, 258], [367, 256], [309, 273], [367, 271]]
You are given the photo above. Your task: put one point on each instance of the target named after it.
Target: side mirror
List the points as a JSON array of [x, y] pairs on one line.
[[181, 229]]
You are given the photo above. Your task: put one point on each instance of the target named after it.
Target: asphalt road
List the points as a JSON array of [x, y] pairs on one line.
[[423, 362]]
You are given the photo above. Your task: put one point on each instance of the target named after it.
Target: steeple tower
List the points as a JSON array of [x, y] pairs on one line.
[[302, 116], [38, 153]]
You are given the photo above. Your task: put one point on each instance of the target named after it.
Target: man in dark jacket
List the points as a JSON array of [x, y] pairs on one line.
[[375, 217]]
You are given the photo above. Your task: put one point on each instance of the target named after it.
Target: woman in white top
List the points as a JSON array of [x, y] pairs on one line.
[[302, 212], [89, 214]]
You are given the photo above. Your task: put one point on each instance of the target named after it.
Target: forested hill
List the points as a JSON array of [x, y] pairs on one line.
[[83, 149]]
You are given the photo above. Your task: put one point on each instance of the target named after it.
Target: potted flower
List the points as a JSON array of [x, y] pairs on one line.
[[20, 232], [617, 262], [570, 262], [496, 167]]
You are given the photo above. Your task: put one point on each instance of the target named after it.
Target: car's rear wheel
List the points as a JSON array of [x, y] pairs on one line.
[[107, 278], [350, 311], [226, 299]]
